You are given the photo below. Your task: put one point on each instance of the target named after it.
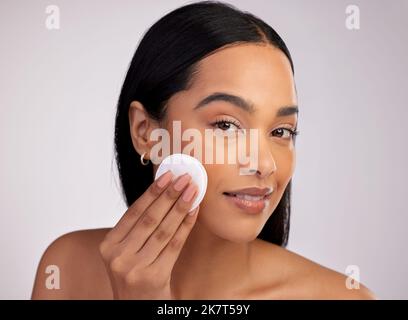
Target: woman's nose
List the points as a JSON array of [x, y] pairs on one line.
[[265, 164]]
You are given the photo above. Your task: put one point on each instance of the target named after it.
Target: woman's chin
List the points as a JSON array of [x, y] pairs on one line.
[[238, 230]]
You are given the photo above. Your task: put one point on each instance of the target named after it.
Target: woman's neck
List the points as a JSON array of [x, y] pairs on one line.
[[210, 267]]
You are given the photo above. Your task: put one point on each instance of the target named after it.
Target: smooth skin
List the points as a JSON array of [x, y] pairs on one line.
[[158, 251]]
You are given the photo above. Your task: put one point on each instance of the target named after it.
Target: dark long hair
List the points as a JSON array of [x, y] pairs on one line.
[[164, 63]]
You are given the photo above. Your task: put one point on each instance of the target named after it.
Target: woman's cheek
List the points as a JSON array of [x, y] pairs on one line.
[[286, 166]]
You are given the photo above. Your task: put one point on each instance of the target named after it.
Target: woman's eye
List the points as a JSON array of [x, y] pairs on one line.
[[226, 125], [284, 133]]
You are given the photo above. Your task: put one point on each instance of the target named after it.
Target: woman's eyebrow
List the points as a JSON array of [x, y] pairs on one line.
[[233, 99], [243, 104]]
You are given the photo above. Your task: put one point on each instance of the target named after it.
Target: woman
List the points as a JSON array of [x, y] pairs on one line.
[[209, 66]]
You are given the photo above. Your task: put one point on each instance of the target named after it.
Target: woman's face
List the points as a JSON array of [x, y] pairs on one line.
[[262, 76]]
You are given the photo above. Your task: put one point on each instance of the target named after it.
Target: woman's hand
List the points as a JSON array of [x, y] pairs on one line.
[[141, 250]]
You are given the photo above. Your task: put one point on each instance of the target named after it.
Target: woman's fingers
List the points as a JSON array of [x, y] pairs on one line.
[[168, 227], [170, 253], [135, 211], [154, 214], [153, 229]]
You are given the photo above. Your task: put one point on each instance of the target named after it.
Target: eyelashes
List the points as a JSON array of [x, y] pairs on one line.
[[228, 124], [222, 123], [292, 133]]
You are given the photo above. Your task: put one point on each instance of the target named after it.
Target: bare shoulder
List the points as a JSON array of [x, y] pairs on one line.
[[301, 278], [71, 268]]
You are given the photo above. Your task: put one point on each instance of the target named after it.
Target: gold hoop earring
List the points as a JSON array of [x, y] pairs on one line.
[[142, 160]]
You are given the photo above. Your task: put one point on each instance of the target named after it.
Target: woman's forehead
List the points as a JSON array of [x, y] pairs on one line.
[[244, 60], [259, 73]]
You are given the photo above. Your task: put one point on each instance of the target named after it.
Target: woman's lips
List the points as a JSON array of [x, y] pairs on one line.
[[248, 203]]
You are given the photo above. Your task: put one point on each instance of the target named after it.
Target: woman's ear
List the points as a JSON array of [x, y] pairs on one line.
[[141, 125]]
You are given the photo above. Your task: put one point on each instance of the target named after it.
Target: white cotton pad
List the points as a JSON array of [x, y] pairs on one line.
[[180, 163]]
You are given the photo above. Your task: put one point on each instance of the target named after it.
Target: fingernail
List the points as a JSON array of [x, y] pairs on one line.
[[164, 179], [189, 193], [182, 182]]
